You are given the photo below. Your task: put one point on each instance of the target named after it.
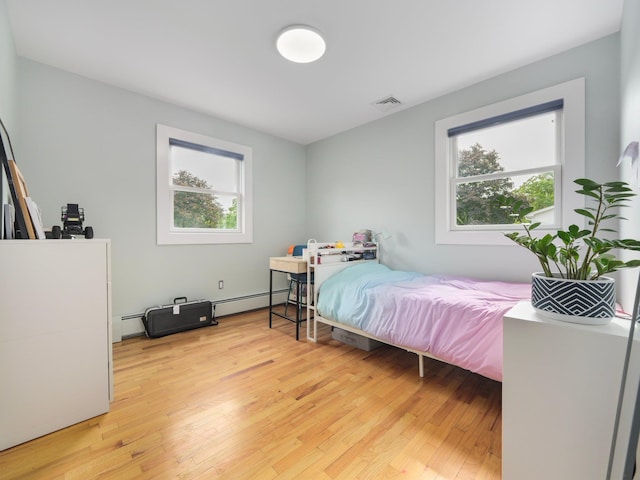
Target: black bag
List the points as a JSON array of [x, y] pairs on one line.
[[182, 315]]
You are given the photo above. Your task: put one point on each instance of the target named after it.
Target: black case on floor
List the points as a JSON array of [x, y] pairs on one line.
[[178, 317]]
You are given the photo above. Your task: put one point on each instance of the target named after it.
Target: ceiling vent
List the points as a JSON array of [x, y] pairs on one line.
[[387, 103]]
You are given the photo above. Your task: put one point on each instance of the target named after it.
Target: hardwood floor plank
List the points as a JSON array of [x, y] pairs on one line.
[[242, 401]]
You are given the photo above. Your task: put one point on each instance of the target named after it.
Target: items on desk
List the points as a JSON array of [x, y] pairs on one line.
[[331, 253]]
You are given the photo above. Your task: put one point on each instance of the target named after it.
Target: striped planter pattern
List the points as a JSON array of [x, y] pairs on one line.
[[591, 302]]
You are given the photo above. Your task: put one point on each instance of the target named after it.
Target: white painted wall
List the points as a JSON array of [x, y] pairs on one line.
[[8, 76], [9, 70], [630, 131], [381, 175], [85, 142]]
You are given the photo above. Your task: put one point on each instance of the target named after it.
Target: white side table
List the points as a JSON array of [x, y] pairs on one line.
[[559, 396]]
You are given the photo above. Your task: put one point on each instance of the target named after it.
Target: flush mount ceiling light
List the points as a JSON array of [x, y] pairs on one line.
[[301, 44]]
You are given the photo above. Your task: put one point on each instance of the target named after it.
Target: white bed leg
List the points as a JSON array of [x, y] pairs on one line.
[[421, 365], [312, 337]]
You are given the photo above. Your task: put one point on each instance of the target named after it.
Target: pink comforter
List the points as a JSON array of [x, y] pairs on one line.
[[456, 319]]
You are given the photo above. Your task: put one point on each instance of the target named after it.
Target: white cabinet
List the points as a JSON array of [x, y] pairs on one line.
[[55, 328], [560, 394]]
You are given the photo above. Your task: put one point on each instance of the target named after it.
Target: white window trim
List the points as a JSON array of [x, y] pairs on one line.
[[573, 158], [166, 235]]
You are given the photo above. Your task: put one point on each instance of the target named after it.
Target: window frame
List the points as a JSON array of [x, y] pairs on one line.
[[166, 233], [572, 166]]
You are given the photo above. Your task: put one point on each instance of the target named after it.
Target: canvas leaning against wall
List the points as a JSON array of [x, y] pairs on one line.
[[20, 214]]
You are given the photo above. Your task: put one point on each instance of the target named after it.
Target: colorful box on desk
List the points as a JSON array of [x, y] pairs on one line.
[[355, 340]]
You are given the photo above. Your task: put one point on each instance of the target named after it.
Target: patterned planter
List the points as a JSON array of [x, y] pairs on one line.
[[590, 302]]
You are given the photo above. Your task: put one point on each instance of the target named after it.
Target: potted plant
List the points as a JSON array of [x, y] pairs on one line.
[[573, 285]]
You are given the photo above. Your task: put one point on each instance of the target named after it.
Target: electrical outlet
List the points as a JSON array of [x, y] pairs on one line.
[[220, 284]]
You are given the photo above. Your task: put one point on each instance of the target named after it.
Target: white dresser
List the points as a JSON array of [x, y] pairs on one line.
[[55, 335], [559, 397]]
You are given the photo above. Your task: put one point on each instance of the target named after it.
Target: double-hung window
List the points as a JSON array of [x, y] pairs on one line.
[[515, 152], [203, 189], [514, 156]]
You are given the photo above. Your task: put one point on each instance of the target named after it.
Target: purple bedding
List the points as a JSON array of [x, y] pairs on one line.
[[456, 319]]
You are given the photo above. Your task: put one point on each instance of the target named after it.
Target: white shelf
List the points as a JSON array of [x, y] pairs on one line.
[[330, 254], [322, 270]]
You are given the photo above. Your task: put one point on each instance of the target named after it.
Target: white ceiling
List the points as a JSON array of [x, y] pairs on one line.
[[219, 57]]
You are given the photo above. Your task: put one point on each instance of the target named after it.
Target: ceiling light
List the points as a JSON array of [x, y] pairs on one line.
[[301, 44]]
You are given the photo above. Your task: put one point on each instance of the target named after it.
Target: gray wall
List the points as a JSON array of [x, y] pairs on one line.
[[381, 175], [9, 71], [85, 142], [8, 83], [630, 131]]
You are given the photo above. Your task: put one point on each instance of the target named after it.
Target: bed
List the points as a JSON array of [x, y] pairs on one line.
[[454, 319]]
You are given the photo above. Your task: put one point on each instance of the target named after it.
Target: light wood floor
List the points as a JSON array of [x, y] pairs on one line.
[[242, 401]]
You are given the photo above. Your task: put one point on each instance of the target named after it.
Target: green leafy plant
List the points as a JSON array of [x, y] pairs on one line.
[[579, 253]]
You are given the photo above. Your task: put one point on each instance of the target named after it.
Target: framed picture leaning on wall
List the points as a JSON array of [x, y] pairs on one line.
[[17, 188]]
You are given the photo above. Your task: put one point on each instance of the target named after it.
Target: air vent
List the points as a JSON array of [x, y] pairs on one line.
[[387, 103]]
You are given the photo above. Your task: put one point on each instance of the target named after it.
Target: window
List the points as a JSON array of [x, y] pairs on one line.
[[528, 149], [514, 156], [203, 189]]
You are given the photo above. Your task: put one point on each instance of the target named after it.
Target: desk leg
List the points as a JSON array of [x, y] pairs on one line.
[[270, 295], [298, 308]]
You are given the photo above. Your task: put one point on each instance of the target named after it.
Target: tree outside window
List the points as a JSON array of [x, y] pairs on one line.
[[482, 202]]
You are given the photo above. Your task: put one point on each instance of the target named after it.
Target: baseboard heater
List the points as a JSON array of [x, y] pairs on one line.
[[247, 297]]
